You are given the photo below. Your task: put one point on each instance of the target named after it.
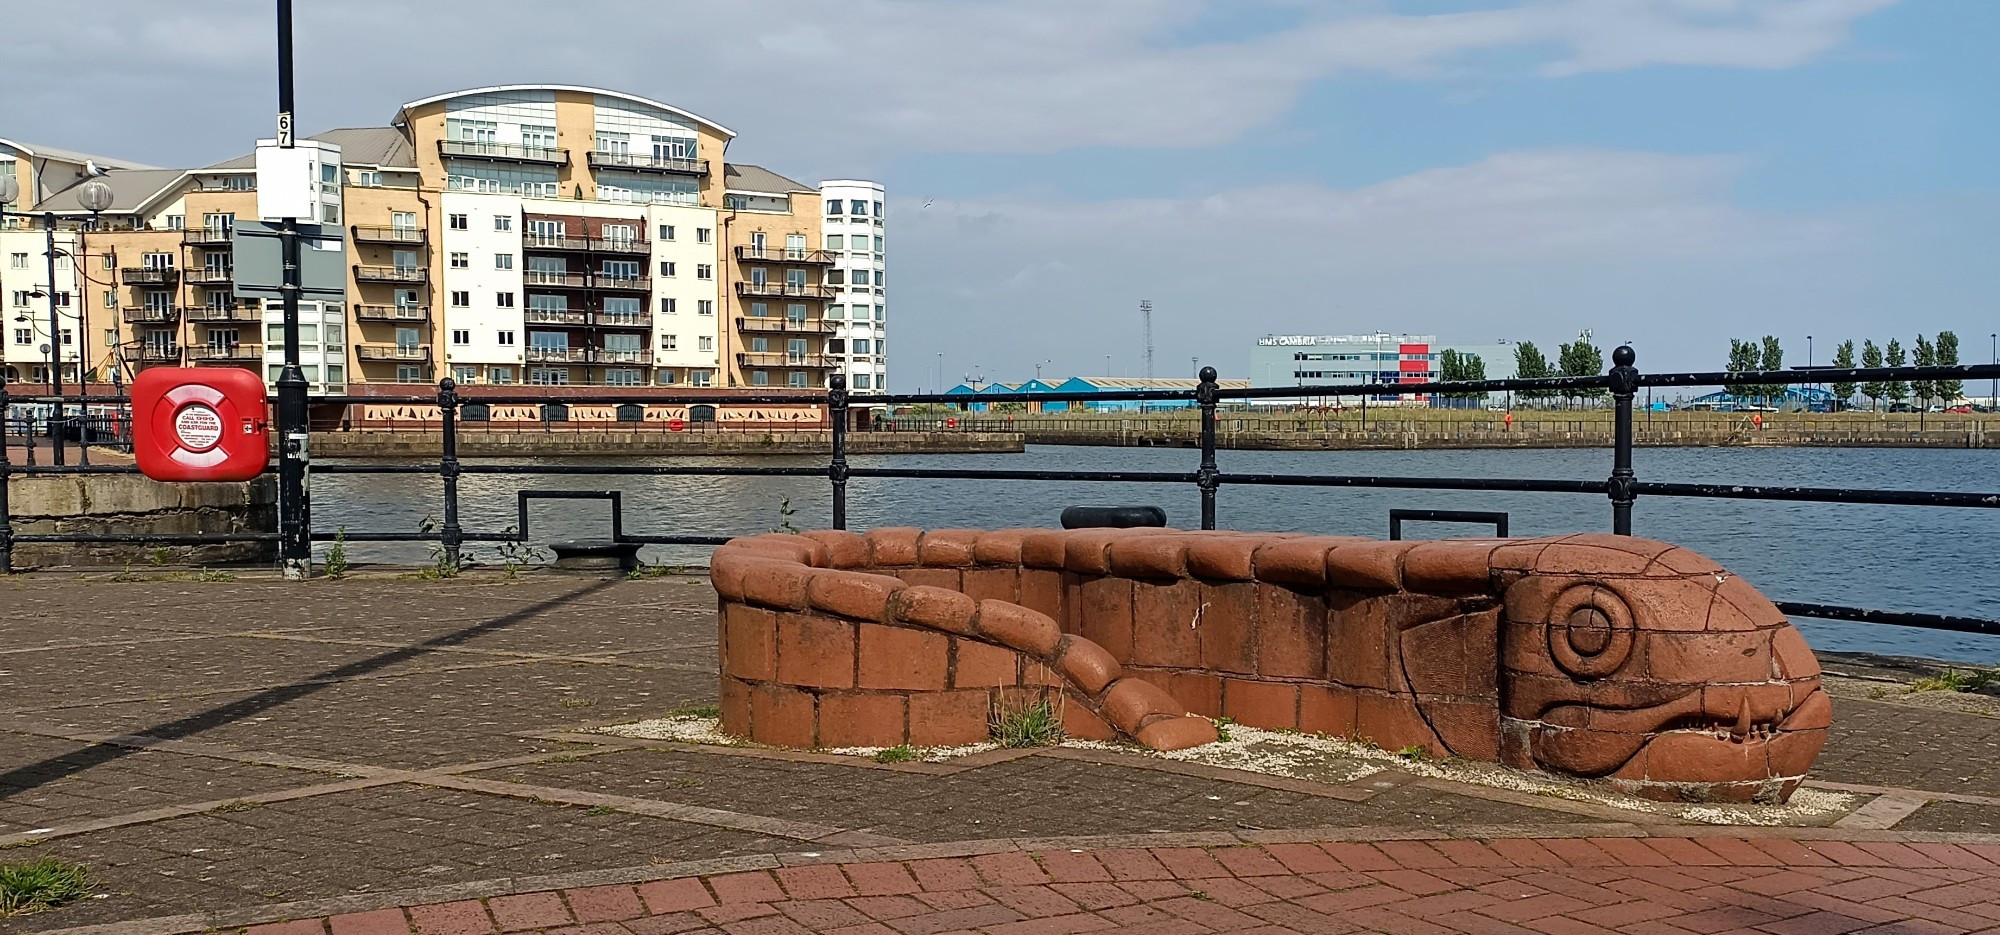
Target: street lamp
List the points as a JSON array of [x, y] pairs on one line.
[[94, 196], [1038, 369]]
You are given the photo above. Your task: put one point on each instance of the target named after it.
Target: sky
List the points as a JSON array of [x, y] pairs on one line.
[[1672, 173]]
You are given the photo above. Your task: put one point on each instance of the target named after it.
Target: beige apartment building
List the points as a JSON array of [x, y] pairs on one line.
[[523, 234]]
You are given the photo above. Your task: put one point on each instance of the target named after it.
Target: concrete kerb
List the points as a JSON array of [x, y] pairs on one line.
[[485, 889]]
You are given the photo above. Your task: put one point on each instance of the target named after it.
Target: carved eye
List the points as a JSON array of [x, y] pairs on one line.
[[1590, 631]]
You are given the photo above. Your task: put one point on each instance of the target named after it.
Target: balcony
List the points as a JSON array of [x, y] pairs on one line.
[[224, 353], [210, 275], [621, 283], [558, 355], [160, 353], [151, 315], [603, 356], [621, 245], [503, 152], [395, 313], [203, 237], [789, 325], [535, 277], [635, 321], [397, 235], [545, 242], [794, 255], [392, 351], [784, 359], [148, 275], [222, 313], [785, 290], [391, 274], [557, 316], [639, 162]]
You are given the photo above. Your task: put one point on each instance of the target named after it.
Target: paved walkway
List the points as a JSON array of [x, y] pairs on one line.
[[223, 754]]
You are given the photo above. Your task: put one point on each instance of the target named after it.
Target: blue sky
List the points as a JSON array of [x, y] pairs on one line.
[[1676, 172]]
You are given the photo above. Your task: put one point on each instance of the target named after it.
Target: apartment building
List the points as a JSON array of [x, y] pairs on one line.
[[523, 234], [854, 231]]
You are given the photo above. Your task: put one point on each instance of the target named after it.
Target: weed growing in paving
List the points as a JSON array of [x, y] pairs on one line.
[[336, 557], [599, 810], [1222, 725], [1034, 724], [40, 884], [1956, 680], [645, 571], [898, 754], [572, 701], [696, 710]]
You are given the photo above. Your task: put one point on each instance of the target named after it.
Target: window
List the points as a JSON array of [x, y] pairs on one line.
[[504, 338], [836, 346], [368, 178], [465, 374], [500, 375], [619, 270], [860, 345], [409, 373], [503, 222], [861, 381], [17, 260], [858, 207], [666, 232], [736, 202], [503, 299], [796, 314], [878, 243], [759, 310], [704, 271], [834, 241], [861, 277], [669, 307], [538, 137], [704, 343], [704, 306], [664, 378], [457, 222], [700, 377], [760, 345], [110, 261], [403, 220], [670, 342], [110, 298], [548, 376], [835, 277], [179, 221], [795, 245], [461, 336], [878, 209], [620, 233], [154, 260], [796, 378], [666, 267], [704, 235], [833, 206], [24, 335], [328, 214], [759, 378], [21, 297], [460, 261], [623, 376], [879, 313], [61, 299], [838, 311], [461, 298], [503, 261]]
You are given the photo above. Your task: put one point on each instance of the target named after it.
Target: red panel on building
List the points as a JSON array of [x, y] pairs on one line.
[[1415, 349], [1414, 366]]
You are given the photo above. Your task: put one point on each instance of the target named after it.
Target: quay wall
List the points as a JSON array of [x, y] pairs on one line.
[[132, 504], [475, 444]]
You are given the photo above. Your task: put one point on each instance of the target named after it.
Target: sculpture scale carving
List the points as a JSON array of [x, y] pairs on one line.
[[1624, 660]]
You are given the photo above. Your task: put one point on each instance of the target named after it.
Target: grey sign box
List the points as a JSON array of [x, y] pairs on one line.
[[260, 266]]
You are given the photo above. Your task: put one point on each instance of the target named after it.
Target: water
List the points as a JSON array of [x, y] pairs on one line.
[[1901, 558]]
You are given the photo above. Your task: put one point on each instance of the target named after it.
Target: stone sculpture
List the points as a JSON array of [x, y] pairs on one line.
[[1634, 662]]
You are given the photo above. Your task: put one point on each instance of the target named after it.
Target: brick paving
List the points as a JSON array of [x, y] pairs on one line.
[[400, 757]]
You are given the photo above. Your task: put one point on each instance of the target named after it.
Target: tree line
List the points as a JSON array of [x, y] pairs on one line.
[[1578, 358], [1767, 354]]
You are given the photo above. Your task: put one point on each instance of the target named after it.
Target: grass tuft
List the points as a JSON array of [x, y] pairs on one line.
[[40, 884], [697, 710], [898, 754], [1034, 724]]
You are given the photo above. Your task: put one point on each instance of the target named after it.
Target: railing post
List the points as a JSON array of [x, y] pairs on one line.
[[452, 535], [836, 470], [1207, 476], [1624, 382], [6, 467]]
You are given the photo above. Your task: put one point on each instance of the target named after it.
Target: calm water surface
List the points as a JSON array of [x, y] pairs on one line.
[[1901, 558]]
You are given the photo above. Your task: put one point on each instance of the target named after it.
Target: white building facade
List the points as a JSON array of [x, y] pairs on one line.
[[855, 232]]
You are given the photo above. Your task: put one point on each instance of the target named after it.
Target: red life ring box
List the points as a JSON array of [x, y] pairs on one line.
[[197, 424]]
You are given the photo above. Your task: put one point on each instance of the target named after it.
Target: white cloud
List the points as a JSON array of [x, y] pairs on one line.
[[869, 76]]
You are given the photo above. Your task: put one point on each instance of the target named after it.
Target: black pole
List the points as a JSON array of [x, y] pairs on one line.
[[294, 507], [55, 339], [1624, 385], [1207, 476], [452, 535], [6, 467], [836, 470]]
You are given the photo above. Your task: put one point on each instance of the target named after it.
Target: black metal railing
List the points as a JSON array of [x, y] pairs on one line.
[[1621, 486]]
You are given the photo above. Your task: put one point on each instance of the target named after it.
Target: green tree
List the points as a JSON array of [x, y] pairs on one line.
[[1895, 390], [1529, 364], [1449, 368], [1875, 390], [1582, 359], [1947, 356], [1475, 366], [1743, 358], [1771, 358], [1924, 356], [1843, 357]]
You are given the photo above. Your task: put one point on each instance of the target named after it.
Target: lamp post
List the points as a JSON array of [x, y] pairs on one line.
[[95, 196], [1038, 369], [1993, 391]]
